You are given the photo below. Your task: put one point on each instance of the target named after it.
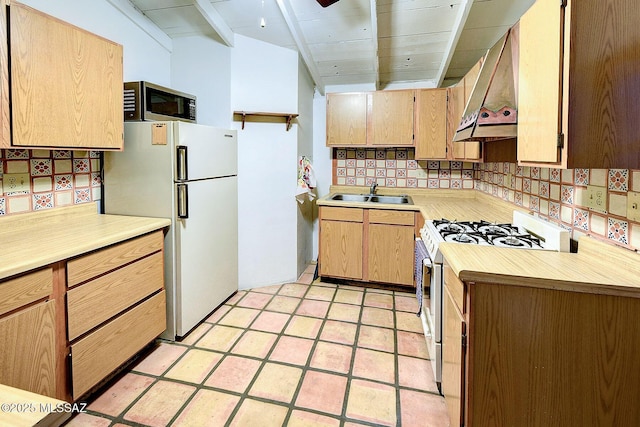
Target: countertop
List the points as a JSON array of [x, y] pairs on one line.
[[596, 268], [463, 205], [38, 239], [575, 272], [22, 408]]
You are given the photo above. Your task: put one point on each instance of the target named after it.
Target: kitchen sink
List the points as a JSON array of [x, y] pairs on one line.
[[395, 200], [351, 197], [392, 199]]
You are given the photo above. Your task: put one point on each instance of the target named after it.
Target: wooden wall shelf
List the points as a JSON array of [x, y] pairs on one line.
[[288, 117]]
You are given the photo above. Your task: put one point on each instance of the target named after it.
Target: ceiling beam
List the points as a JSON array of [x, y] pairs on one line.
[[296, 32], [144, 23], [219, 25], [458, 26], [374, 40]]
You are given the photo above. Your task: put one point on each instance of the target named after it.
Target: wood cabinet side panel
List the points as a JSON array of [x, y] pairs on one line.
[[22, 290], [341, 249], [99, 262], [346, 119], [100, 299], [390, 254], [392, 118], [5, 113], [431, 124], [101, 352], [453, 358], [27, 349], [456, 287], [539, 82], [62, 74], [547, 357]]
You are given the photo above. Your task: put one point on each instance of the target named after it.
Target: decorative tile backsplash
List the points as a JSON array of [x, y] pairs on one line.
[[56, 178], [560, 196], [398, 168], [555, 194]]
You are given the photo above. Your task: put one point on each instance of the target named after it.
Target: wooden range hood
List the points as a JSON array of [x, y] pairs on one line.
[[491, 112]]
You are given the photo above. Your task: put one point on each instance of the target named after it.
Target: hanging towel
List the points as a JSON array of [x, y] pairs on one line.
[[306, 180], [420, 255]]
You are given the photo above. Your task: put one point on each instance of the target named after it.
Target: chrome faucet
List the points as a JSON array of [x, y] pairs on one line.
[[372, 189]]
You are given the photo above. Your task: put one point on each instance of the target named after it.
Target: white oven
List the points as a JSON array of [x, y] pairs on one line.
[[429, 291]]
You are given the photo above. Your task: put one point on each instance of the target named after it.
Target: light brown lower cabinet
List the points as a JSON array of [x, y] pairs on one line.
[[100, 308], [117, 307], [367, 244], [539, 356], [27, 349], [453, 338], [98, 354]]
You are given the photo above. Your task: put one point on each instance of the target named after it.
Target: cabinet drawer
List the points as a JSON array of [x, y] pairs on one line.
[[23, 290], [384, 216], [100, 299], [98, 354], [97, 263], [456, 288], [341, 214]]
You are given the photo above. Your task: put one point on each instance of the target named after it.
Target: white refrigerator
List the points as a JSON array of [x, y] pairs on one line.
[[188, 173]]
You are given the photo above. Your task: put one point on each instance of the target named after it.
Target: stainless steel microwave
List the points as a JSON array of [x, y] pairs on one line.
[[148, 101]]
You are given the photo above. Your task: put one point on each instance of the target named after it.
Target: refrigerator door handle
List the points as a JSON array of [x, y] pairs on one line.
[[183, 201], [182, 173]]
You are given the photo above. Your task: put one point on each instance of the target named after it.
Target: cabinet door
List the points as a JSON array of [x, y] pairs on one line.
[[431, 124], [341, 249], [470, 151], [391, 257], [346, 119], [453, 366], [66, 84], [27, 349], [392, 118], [539, 82]]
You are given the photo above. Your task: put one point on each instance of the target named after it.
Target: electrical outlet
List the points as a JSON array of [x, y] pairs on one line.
[[596, 198], [16, 183], [633, 206]]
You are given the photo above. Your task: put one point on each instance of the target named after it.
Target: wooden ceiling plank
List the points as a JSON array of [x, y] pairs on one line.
[[458, 26], [144, 23], [216, 21], [303, 48]]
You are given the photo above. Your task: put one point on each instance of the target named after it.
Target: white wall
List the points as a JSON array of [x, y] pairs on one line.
[[264, 77], [144, 58], [307, 209], [201, 66]]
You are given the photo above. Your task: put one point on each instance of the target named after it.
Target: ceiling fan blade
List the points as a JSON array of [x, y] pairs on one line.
[[325, 3]]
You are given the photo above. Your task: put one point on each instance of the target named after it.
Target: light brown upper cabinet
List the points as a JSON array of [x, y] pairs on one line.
[[391, 122], [66, 84], [469, 151], [431, 124], [374, 119], [346, 119], [578, 102]]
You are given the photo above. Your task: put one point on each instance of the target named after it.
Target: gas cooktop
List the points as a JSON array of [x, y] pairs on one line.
[[526, 232], [486, 233]]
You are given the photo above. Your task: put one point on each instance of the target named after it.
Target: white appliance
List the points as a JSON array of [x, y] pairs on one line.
[[526, 232], [187, 173]]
